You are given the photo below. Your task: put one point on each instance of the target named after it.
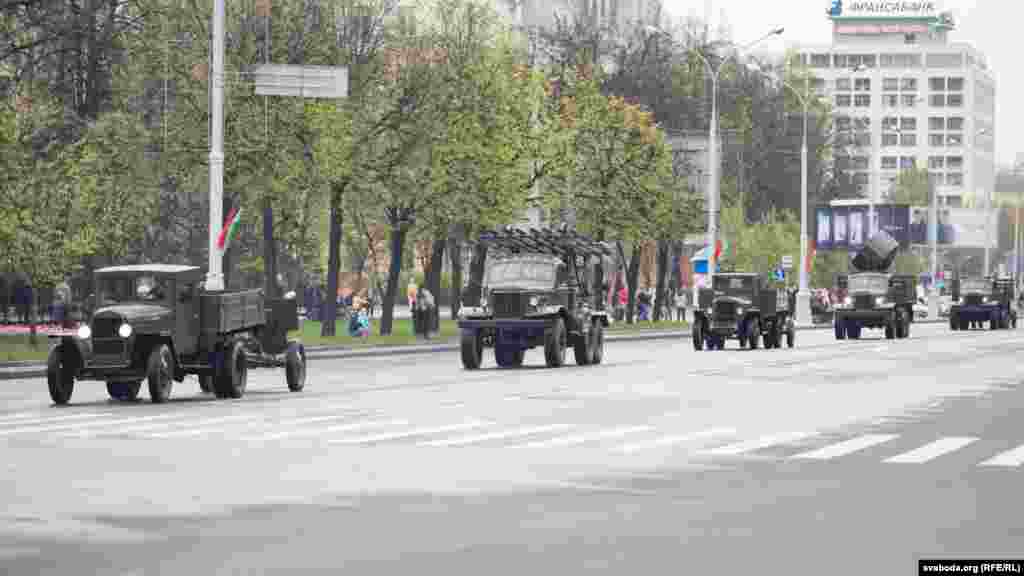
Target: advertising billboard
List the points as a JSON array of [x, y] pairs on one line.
[[883, 9], [963, 227], [847, 227]]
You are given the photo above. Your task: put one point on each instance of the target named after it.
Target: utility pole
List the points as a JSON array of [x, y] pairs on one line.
[[215, 274]]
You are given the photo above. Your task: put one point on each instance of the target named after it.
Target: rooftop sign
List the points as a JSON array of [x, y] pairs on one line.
[[922, 9]]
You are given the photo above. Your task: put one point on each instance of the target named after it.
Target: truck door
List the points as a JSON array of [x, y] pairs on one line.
[[186, 324]]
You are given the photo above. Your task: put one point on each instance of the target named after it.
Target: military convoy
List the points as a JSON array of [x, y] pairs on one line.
[[156, 323], [742, 306], [980, 300], [538, 293], [875, 298]]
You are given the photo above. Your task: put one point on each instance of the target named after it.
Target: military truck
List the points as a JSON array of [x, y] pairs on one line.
[[156, 323], [980, 300], [742, 306], [538, 293], [875, 298]]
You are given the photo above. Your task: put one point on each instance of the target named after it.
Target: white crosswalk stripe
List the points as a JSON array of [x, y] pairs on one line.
[[589, 437], [501, 435], [746, 446], [352, 427], [412, 433], [1010, 458], [846, 447], [932, 450], [675, 440]]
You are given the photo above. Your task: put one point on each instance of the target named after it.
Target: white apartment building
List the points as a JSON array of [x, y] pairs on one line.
[[541, 13], [908, 97]]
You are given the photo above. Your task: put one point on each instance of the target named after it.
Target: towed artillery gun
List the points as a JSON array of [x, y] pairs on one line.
[[980, 300], [155, 322], [538, 293], [742, 306], [876, 299]]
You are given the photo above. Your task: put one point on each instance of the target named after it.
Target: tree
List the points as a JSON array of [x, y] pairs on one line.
[[913, 186]]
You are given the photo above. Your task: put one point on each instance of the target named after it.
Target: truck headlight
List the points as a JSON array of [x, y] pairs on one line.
[[534, 301], [879, 301], [124, 330], [848, 301], [739, 311], [984, 299], [84, 332]]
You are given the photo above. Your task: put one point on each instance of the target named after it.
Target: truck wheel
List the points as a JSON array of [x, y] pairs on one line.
[[965, 325], [124, 391], [581, 349], [598, 349], [206, 383], [753, 333], [60, 376], [697, 332], [555, 345], [954, 324], [510, 357], [890, 329], [840, 330], [906, 327], [159, 372], [993, 322], [472, 347], [791, 337], [231, 381], [295, 367]]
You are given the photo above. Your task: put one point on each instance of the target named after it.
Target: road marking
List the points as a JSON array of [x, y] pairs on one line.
[[409, 433], [676, 439], [46, 428], [155, 425], [518, 433], [333, 429], [1014, 457], [932, 450], [755, 444], [846, 447], [257, 418], [583, 438], [43, 420]]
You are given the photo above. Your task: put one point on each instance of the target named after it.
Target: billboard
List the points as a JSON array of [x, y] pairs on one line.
[[962, 227], [888, 9], [847, 227]]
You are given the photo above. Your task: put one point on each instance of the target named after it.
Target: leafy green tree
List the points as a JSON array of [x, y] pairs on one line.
[[913, 186]]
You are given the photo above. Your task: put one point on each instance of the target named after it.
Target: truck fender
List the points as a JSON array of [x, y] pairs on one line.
[[78, 350]]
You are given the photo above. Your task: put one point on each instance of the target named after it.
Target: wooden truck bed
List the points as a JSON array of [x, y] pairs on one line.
[[225, 312]]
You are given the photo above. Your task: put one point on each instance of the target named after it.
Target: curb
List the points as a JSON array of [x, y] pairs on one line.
[[28, 369]]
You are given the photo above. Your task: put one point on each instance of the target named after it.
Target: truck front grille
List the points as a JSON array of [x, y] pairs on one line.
[[509, 305], [105, 327], [108, 347], [973, 299], [725, 310], [864, 301]]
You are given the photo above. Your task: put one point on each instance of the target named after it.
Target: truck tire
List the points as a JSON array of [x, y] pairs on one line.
[[295, 367], [582, 349], [598, 349], [206, 383], [471, 346], [697, 332], [159, 373], [507, 357], [60, 376], [906, 326], [753, 333], [555, 345], [993, 322], [124, 391], [231, 381], [791, 337], [890, 329], [954, 324], [840, 329]]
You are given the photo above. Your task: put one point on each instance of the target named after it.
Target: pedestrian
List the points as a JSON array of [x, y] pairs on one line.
[[425, 309]]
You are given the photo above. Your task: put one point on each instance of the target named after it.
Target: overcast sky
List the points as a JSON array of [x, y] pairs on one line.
[[992, 26]]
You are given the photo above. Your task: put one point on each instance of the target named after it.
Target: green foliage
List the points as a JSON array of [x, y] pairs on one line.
[[827, 265], [912, 187], [909, 263], [760, 247]]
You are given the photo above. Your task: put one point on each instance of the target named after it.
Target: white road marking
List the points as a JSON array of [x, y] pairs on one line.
[[1014, 457], [257, 420], [46, 428], [332, 429], [676, 439], [583, 438], [408, 433], [846, 447], [756, 444], [43, 420], [932, 450], [517, 433]]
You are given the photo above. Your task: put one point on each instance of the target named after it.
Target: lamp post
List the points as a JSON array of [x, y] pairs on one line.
[[214, 274], [987, 211], [713, 158]]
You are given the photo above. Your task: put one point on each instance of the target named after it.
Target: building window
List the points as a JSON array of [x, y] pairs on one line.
[[861, 163], [936, 123], [862, 139], [843, 123], [936, 178], [937, 84], [935, 162], [937, 100], [843, 85], [818, 84], [890, 100], [863, 85], [955, 100], [955, 84], [890, 123], [840, 61], [908, 85], [954, 140], [936, 140], [907, 123], [955, 162], [907, 162], [889, 162], [955, 123], [908, 140], [860, 179], [820, 60], [862, 100], [954, 201], [955, 179], [890, 139], [909, 100], [843, 100], [890, 84]]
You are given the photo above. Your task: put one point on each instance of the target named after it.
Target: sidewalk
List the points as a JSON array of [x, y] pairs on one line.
[[14, 370]]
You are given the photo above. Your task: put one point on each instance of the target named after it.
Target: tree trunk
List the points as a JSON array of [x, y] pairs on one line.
[[476, 275], [455, 255], [329, 312], [269, 252], [433, 278], [662, 277], [633, 280], [398, 233]]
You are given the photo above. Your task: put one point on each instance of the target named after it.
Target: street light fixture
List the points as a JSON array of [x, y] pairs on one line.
[[713, 158]]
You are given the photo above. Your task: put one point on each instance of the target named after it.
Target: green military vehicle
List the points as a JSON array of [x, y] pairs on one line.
[[742, 306], [876, 299], [980, 300], [539, 293], [156, 323]]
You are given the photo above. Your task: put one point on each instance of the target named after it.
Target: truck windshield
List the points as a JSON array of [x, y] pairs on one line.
[[116, 290], [871, 283], [522, 273], [736, 285], [975, 287]]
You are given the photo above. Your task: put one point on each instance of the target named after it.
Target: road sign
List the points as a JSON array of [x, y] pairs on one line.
[[780, 274], [304, 81], [787, 262]]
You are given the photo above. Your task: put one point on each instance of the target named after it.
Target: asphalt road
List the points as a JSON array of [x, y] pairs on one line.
[[833, 457]]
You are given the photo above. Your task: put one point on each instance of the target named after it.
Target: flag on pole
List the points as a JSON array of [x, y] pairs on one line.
[[811, 253], [230, 229]]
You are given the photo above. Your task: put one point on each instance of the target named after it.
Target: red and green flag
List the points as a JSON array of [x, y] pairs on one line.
[[230, 230]]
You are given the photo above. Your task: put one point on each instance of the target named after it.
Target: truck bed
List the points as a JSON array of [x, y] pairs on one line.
[[224, 312]]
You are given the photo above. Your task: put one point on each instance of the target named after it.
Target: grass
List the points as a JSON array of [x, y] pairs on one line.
[[17, 348], [638, 326]]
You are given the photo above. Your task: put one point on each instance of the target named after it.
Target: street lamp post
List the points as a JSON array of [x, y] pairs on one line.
[[713, 157], [215, 274]]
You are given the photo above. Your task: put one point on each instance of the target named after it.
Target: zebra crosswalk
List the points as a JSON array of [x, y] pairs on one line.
[[351, 425]]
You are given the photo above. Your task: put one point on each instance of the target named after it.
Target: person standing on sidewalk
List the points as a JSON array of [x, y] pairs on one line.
[[424, 310]]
